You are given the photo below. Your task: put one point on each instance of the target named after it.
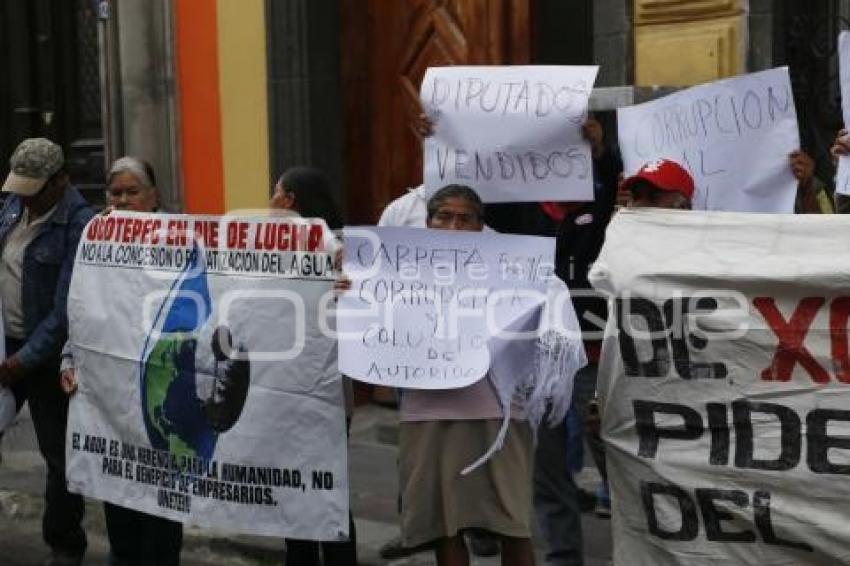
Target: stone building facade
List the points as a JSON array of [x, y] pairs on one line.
[[222, 95]]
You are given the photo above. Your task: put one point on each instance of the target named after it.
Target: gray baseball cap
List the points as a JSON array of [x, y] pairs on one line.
[[34, 161]]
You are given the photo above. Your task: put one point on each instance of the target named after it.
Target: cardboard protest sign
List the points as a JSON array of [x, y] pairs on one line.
[[724, 388], [208, 392], [842, 179], [426, 305], [734, 136], [511, 133]]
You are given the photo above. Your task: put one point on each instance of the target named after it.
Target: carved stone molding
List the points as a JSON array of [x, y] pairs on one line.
[[669, 11]]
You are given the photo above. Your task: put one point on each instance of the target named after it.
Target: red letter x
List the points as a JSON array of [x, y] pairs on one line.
[[839, 313], [791, 335]]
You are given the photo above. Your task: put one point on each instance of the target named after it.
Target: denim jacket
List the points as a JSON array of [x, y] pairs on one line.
[[48, 263]]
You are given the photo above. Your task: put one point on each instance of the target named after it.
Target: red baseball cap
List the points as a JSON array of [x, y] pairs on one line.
[[665, 175]]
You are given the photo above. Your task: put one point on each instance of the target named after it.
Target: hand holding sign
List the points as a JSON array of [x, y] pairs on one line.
[[841, 145]]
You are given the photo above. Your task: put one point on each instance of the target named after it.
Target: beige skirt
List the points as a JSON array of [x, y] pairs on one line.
[[437, 502]]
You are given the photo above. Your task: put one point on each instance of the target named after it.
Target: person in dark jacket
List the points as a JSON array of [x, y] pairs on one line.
[[659, 184], [40, 226], [557, 498]]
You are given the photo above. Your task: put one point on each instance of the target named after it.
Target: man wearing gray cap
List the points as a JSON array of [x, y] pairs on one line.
[[41, 223]]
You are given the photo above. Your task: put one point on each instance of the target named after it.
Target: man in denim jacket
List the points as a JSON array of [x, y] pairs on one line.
[[40, 226]]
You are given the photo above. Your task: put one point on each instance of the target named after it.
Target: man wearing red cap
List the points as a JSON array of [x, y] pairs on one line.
[[660, 184]]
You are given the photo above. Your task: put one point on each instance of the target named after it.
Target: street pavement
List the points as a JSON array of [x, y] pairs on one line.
[[374, 485]]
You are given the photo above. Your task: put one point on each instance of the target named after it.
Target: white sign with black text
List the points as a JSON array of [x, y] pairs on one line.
[[512, 133], [734, 136]]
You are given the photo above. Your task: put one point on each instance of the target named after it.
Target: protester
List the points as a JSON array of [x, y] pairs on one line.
[[660, 184], [558, 500], [304, 191], [40, 226], [411, 210], [135, 538], [442, 432]]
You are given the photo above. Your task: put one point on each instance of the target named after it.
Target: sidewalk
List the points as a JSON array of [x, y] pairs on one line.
[[374, 484]]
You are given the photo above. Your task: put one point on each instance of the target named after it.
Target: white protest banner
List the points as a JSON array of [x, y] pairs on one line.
[[208, 394], [511, 133], [725, 388], [734, 136], [425, 304], [842, 179]]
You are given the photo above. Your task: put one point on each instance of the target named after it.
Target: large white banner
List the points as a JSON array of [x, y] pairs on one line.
[[427, 307], [208, 392], [725, 388], [511, 133], [842, 180], [734, 136]]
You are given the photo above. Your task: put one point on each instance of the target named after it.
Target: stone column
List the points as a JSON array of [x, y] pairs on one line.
[[612, 43], [147, 112], [762, 27]]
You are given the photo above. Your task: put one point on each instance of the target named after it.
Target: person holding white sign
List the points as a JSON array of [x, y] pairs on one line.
[[442, 431], [555, 492], [134, 537]]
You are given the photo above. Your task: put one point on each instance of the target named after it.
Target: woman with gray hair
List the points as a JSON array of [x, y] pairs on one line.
[[135, 538], [131, 185]]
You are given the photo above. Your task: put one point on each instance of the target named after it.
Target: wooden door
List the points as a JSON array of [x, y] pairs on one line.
[[387, 47]]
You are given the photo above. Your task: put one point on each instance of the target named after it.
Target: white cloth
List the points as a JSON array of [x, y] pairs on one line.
[[537, 374], [410, 209]]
